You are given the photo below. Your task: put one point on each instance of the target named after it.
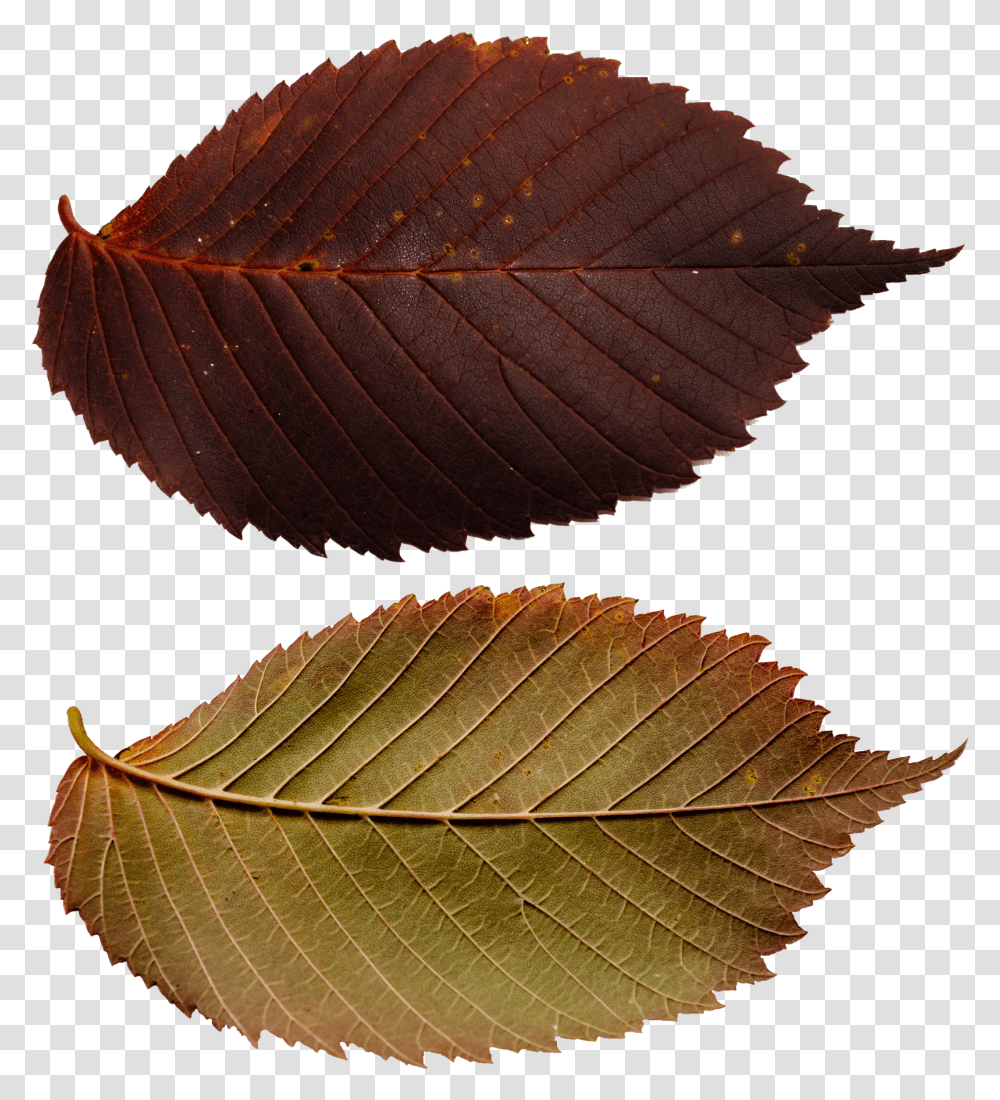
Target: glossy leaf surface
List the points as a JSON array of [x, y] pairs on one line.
[[481, 822], [449, 292]]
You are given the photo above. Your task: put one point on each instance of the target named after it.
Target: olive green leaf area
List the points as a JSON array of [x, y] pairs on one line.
[[477, 822]]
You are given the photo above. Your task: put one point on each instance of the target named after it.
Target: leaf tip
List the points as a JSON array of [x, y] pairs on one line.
[[944, 255]]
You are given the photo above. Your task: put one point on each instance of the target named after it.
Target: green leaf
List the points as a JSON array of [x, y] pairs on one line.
[[478, 822]]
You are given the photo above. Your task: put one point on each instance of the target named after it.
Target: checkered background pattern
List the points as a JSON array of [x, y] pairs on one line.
[[859, 533]]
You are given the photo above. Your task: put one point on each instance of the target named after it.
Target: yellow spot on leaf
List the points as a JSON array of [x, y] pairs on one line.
[[398, 215], [737, 237], [456, 277], [792, 259], [508, 219], [568, 79], [449, 249], [466, 162], [498, 755], [751, 776], [801, 246], [477, 200], [656, 378]]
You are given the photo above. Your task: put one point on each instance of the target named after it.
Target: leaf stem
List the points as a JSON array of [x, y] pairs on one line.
[[79, 732], [68, 218]]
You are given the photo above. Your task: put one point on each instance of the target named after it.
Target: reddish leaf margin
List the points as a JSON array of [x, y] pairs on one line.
[[448, 292]]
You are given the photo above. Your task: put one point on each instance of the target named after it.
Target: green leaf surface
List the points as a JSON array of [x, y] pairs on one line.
[[477, 822]]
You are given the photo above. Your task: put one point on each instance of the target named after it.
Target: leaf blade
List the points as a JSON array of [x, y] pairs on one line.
[[448, 292], [432, 919]]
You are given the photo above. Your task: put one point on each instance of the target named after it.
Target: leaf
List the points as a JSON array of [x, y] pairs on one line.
[[449, 292], [480, 822]]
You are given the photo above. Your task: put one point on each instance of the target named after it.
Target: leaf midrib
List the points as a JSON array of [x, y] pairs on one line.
[[423, 273], [98, 755]]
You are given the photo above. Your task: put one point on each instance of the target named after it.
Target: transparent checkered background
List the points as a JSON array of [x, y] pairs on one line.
[[858, 532]]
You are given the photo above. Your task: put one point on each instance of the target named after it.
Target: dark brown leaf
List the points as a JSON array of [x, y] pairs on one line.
[[449, 292]]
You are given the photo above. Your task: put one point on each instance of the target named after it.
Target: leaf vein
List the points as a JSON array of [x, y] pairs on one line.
[[380, 975], [254, 885]]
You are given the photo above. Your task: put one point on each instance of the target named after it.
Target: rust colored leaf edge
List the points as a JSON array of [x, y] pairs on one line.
[[489, 287]]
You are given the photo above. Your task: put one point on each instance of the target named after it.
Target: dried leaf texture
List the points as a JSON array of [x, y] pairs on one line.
[[481, 822], [449, 292]]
